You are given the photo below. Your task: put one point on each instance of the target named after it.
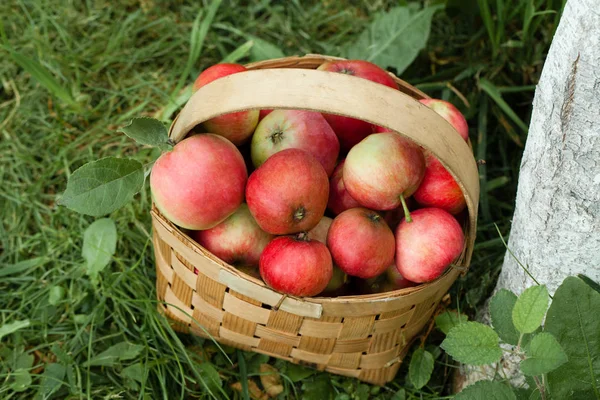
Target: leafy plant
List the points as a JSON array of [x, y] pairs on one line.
[[562, 357]]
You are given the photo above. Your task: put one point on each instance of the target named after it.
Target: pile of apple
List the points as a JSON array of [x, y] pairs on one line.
[[273, 224]]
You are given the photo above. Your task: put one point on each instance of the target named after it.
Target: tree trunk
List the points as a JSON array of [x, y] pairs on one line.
[[556, 225]]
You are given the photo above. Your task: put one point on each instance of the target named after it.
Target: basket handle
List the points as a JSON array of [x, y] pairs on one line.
[[335, 93]]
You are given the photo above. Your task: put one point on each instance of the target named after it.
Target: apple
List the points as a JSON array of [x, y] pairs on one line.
[[350, 131], [439, 189], [428, 244], [297, 129], [450, 114], [288, 193], [237, 126], [395, 280], [382, 170], [361, 243], [238, 240], [320, 231], [296, 265], [339, 198], [199, 183]]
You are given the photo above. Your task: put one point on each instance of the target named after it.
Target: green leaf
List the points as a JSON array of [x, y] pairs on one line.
[[43, 76], [21, 380], [449, 320], [574, 320], [115, 354], [394, 38], [420, 368], [52, 379], [399, 395], [472, 343], [210, 377], [298, 373], [55, 295], [263, 50], [99, 245], [501, 307], [7, 329], [544, 354], [590, 282], [319, 388], [530, 308], [24, 361], [101, 187], [488, 390], [22, 266], [147, 131], [135, 372]]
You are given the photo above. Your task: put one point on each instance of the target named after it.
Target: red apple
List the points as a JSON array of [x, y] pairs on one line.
[[262, 114], [238, 240], [320, 231], [238, 126], [295, 129], [428, 244], [361, 243], [450, 114], [350, 131], [382, 170], [288, 193], [200, 182], [339, 198], [296, 265], [439, 189]]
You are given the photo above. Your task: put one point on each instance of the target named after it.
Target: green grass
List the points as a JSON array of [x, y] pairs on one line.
[[96, 65]]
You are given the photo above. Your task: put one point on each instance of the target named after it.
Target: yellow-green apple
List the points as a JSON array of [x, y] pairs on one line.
[[296, 265], [295, 129], [237, 126], [199, 183], [339, 198], [395, 280], [450, 114], [361, 243], [426, 246], [439, 189], [320, 231], [288, 193], [350, 131], [382, 170], [238, 240]]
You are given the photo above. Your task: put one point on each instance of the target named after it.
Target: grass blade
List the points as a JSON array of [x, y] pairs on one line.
[[43, 76], [481, 155], [491, 90], [239, 53], [199, 31], [243, 375]]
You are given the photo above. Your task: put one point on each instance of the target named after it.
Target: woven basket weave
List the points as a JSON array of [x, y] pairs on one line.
[[359, 336]]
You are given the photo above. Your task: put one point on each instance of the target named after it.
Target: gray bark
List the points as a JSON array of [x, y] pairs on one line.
[[556, 225]]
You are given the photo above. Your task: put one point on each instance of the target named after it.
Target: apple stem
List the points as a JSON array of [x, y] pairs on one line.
[[405, 208]]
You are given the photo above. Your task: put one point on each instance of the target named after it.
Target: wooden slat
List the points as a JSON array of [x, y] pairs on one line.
[[320, 329]]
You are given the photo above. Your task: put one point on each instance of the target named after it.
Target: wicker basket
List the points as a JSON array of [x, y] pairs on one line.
[[359, 336]]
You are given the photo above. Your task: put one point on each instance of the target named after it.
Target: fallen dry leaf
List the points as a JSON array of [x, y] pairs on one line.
[[270, 380], [253, 390]]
